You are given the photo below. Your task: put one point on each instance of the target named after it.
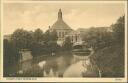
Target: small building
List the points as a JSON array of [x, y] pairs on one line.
[[25, 55]]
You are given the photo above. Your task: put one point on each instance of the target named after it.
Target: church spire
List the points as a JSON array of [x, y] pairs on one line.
[[59, 14]]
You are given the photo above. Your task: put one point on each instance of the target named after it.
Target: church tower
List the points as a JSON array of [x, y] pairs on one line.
[[60, 15], [61, 28]]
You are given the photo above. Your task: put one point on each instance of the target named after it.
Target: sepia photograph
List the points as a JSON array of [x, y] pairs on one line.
[[64, 40]]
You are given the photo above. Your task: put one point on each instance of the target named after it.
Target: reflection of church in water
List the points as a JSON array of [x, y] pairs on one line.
[[63, 30]]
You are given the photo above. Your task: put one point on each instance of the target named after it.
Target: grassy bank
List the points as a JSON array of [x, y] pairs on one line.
[[110, 60]]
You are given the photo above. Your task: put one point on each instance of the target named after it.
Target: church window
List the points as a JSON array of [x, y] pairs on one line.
[[59, 34], [72, 39], [76, 38], [63, 34]]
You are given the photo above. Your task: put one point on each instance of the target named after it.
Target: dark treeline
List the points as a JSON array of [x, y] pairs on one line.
[[100, 37], [38, 42]]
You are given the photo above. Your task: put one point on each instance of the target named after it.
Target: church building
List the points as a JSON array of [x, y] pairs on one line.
[[63, 30]]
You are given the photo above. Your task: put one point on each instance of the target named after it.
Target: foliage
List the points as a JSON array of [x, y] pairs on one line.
[[38, 42], [51, 41], [118, 30], [67, 44], [22, 38], [98, 37], [110, 59], [38, 35], [11, 55], [50, 36]]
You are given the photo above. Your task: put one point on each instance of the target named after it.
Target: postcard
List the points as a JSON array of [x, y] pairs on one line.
[[63, 41]]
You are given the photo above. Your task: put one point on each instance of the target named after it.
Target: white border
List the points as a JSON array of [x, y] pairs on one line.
[[42, 79], [1, 37]]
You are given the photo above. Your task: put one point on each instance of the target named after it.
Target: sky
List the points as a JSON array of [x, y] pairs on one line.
[[31, 16]]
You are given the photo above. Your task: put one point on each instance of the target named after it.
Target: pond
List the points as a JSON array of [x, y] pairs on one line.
[[60, 65]]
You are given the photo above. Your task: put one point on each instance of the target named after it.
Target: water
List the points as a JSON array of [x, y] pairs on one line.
[[61, 65]]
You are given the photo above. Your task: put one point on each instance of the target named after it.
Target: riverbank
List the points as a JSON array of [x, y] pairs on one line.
[[110, 60]]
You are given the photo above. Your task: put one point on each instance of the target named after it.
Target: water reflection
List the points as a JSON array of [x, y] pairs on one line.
[[62, 65]]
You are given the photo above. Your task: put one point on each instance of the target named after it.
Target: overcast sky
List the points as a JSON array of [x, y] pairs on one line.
[[31, 16]]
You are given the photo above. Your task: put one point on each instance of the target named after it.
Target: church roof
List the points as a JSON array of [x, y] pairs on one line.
[[60, 24]]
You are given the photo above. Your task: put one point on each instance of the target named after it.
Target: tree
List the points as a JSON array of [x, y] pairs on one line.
[[47, 36], [37, 43], [107, 58], [50, 36], [67, 44], [53, 36], [51, 41], [22, 38], [10, 55], [38, 35], [97, 37], [118, 30]]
